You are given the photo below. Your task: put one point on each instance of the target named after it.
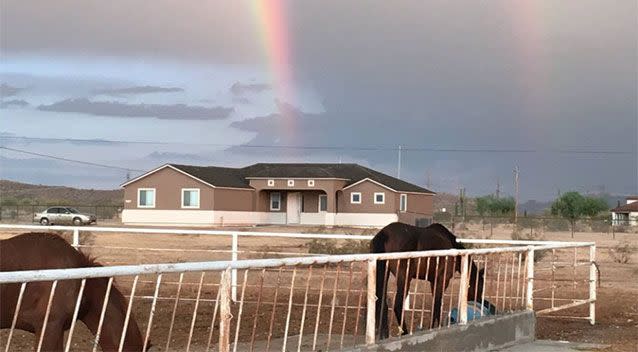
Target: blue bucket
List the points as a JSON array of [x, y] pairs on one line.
[[474, 311]]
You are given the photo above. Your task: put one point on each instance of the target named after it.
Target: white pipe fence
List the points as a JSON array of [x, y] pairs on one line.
[[329, 291]]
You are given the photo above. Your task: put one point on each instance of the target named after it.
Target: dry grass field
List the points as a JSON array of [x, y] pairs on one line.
[[617, 308]]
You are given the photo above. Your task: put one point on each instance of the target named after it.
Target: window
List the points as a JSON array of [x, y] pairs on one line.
[[403, 203], [53, 211], [323, 202], [311, 183], [271, 183], [275, 201], [355, 198], [190, 197], [291, 183], [146, 197], [379, 198]]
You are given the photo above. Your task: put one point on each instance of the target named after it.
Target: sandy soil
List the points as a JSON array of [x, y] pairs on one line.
[[616, 313]]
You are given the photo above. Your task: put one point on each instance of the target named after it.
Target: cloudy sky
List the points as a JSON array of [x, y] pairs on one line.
[[469, 90]]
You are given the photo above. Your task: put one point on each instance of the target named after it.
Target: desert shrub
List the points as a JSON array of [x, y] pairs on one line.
[[440, 216], [522, 235], [600, 225], [621, 229], [556, 224], [322, 246], [621, 253]]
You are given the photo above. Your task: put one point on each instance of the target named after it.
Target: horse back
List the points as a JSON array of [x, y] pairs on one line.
[[400, 237]]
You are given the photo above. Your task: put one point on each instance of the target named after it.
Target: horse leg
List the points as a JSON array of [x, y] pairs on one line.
[[383, 275], [437, 292], [53, 337], [398, 300]]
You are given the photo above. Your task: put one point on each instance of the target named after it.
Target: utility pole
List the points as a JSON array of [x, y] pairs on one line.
[[498, 187], [462, 202], [429, 180], [399, 165], [516, 173]]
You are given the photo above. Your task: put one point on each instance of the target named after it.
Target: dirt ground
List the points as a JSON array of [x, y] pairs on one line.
[[616, 307]]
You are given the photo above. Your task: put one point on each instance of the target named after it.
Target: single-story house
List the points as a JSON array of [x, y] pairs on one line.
[[304, 194], [626, 214]]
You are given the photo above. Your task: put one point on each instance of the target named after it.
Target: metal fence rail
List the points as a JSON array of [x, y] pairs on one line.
[[302, 303]]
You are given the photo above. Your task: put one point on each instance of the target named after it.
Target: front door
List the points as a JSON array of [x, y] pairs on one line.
[[293, 207]]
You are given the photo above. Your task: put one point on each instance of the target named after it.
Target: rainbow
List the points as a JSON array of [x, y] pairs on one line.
[[272, 18]]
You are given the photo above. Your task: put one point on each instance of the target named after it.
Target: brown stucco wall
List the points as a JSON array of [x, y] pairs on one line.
[[417, 203], [330, 187], [311, 201], [367, 190], [168, 185], [233, 199], [263, 201], [419, 206]]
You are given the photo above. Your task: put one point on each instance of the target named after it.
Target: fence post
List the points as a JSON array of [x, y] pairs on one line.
[[233, 280], [76, 238], [463, 288], [371, 302], [593, 280], [224, 311], [529, 297]]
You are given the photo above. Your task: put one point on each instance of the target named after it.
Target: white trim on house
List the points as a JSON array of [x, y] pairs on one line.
[[403, 208], [175, 217], [297, 178], [183, 173], [319, 203], [384, 186], [198, 198], [139, 190], [185, 217], [278, 202], [352, 201], [311, 183], [365, 219], [382, 194], [291, 183], [270, 183]]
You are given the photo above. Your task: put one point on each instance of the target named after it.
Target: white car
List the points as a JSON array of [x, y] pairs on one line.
[[64, 215]]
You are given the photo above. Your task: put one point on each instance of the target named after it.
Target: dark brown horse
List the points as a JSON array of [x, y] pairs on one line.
[[399, 237], [35, 251]]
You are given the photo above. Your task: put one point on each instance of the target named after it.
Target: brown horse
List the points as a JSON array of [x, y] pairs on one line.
[[35, 251], [399, 237]]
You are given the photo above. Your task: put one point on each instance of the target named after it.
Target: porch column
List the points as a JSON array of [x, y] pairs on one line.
[[332, 201]]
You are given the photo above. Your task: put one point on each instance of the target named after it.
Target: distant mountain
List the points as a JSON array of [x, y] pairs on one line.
[[23, 193]]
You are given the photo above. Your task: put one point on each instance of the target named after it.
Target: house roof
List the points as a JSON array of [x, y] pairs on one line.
[[353, 173], [216, 176], [626, 208], [239, 177]]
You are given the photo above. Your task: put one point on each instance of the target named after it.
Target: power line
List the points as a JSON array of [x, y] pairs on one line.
[[473, 149], [69, 160]]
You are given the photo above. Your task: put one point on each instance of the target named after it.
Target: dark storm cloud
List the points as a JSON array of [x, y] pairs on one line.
[[242, 100], [137, 90], [172, 157], [11, 138], [8, 90], [239, 88], [15, 103], [419, 73], [116, 109]]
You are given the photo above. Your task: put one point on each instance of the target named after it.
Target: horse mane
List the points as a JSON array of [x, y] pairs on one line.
[[442, 230]]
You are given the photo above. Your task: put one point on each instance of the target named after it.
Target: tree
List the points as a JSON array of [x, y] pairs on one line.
[[493, 206], [573, 206]]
